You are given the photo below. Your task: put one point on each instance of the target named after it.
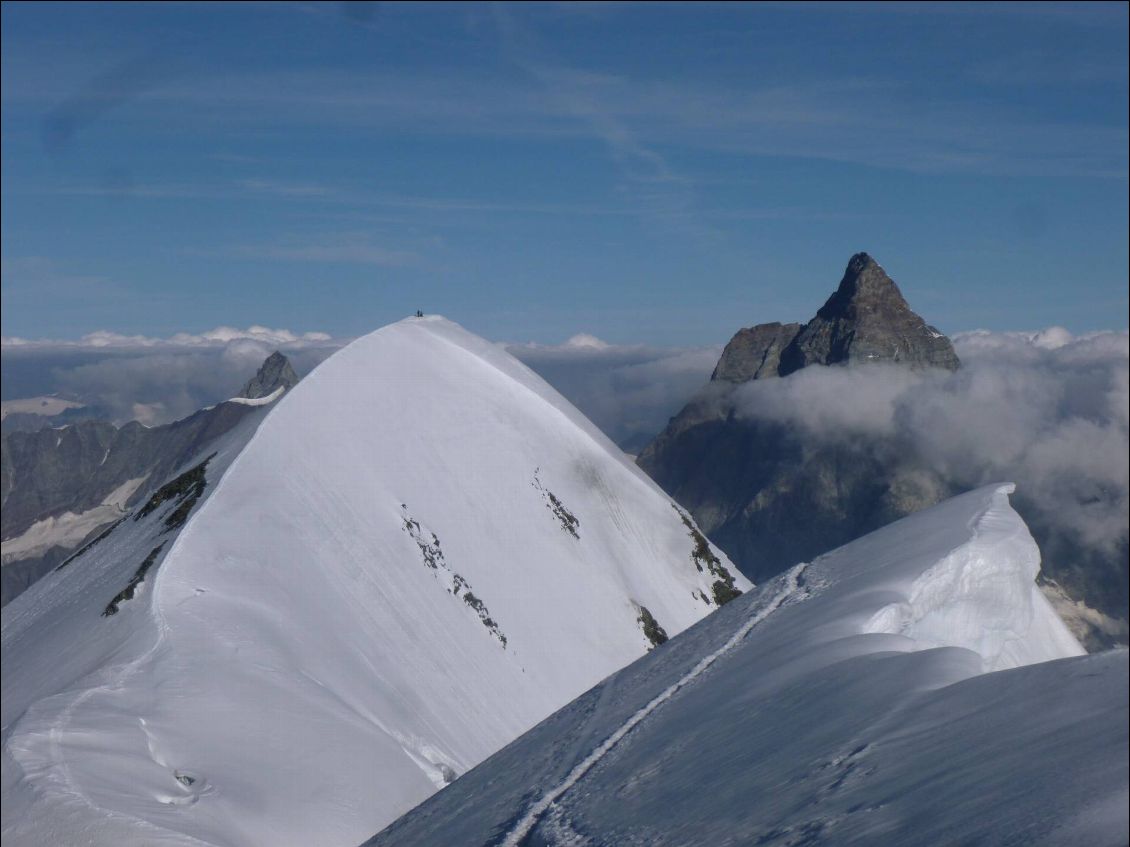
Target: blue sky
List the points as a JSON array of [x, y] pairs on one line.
[[648, 174]]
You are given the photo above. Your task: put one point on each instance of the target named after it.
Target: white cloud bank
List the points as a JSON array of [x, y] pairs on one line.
[[628, 390], [1046, 410], [218, 337], [154, 380]]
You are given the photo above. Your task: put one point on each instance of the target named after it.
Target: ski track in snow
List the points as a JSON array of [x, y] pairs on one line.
[[525, 825], [118, 676]]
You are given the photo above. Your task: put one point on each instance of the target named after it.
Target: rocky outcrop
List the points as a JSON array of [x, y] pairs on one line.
[[771, 497], [755, 352], [275, 373], [73, 471]]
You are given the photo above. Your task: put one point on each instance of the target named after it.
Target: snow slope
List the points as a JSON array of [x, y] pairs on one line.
[[845, 702], [421, 552]]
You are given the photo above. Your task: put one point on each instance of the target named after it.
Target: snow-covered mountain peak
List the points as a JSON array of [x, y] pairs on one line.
[[420, 552]]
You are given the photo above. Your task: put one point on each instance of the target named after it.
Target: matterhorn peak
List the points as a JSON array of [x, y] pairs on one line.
[[864, 279], [868, 320], [864, 274]]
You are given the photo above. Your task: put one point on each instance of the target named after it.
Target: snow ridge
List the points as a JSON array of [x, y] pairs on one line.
[[790, 590], [982, 596]]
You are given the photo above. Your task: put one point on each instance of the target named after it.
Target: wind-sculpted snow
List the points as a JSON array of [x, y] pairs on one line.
[[844, 702], [422, 551]]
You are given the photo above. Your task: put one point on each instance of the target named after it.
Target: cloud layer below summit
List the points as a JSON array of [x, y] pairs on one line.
[[1045, 410]]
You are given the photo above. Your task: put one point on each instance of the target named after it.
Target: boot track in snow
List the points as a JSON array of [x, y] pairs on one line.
[[521, 830]]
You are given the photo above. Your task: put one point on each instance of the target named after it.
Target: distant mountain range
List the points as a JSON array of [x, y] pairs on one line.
[[63, 483]]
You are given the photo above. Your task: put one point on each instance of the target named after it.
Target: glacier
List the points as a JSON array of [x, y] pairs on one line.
[[912, 687], [372, 584]]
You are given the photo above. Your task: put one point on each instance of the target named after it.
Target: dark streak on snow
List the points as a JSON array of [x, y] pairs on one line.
[[704, 559], [136, 580], [567, 519], [186, 489], [432, 554]]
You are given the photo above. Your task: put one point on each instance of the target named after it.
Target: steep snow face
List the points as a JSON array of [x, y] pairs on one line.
[[422, 551], [844, 702]]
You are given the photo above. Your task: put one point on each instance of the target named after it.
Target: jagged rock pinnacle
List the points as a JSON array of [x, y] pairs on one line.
[[274, 373]]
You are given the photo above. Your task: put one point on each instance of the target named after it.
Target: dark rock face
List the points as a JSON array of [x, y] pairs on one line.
[[868, 320], [755, 352], [865, 320], [274, 373]]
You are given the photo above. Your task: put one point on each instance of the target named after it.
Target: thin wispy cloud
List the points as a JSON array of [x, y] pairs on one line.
[[25, 280], [630, 153], [878, 122], [874, 121], [350, 251], [651, 182], [287, 189], [322, 195]]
